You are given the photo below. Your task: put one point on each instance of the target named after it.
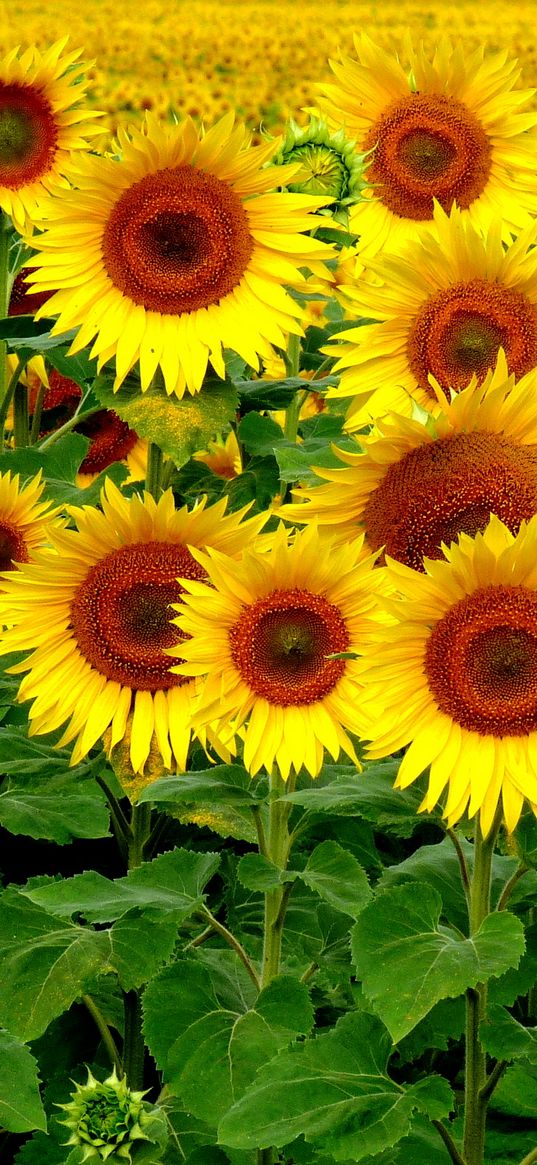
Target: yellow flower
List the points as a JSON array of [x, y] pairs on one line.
[[446, 305], [25, 521], [456, 678], [412, 486], [178, 250], [94, 611], [41, 123], [262, 635], [453, 129], [223, 457]]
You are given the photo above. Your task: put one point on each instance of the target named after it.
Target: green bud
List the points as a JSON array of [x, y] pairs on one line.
[[107, 1120], [330, 165]]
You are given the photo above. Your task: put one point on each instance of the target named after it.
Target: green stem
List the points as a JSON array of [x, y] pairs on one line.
[[449, 1143], [81, 415], [265, 1157], [530, 1158], [134, 1045], [234, 943], [277, 851], [105, 1033], [476, 1100], [21, 430], [153, 477], [8, 397], [510, 885], [37, 414]]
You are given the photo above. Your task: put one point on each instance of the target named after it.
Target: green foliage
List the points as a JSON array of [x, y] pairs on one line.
[[398, 940], [60, 464], [335, 1091], [369, 794], [20, 1104]]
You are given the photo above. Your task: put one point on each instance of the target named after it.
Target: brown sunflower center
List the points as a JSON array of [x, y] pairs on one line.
[[279, 645], [13, 546], [28, 135], [111, 440], [177, 241], [458, 333], [448, 487], [426, 147], [121, 613], [481, 661]]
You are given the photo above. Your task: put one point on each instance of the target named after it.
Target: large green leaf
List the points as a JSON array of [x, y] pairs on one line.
[[60, 463], [172, 883], [138, 950], [223, 783], [336, 875], [334, 1091], [369, 794], [46, 964], [21, 1109], [206, 1039], [398, 940], [179, 427], [516, 1094], [503, 1037], [42, 797]]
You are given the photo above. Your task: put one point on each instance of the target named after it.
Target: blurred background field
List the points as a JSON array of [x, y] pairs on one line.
[[261, 57]]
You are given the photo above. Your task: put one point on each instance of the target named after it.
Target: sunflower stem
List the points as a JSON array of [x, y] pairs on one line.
[[134, 1044], [105, 1033], [277, 851], [8, 397], [81, 415], [37, 414], [21, 431], [153, 478], [229, 938], [475, 1092]]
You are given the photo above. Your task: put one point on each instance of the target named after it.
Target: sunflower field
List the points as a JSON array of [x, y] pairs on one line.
[[268, 584]]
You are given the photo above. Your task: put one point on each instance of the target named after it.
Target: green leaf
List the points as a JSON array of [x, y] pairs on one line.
[[422, 1146], [276, 394], [334, 1091], [256, 872], [29, 334], [503, 1037], [179, 427], [21, 1109], [223, 783], [517, 981], [139, 950], [79, 367], [516, 1094], [397, 939], [42, 797], [369, 794], [336, 875], [217, 1039], [259, 434], [172, 883], [46, 964]]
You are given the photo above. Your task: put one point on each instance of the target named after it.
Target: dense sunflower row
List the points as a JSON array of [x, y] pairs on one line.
[[257, 58]]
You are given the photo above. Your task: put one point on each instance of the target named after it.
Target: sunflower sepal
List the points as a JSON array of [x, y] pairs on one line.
[[109, 1122]]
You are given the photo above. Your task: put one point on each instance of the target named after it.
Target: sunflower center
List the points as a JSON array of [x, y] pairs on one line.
[[13, 547], [426, 147], [280, 643], [177, 241], [111, 440], [28, 135], [448, 487], [481, 661], [458, 332], [121, 613]]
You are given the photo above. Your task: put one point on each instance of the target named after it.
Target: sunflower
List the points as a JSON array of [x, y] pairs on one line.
[[111, 440], [454, 129], [446, 305], [178, 251], [263, 634], [41, 124], [25, 520], [457, 676], [94, 611], [412, 486], [222, 457]]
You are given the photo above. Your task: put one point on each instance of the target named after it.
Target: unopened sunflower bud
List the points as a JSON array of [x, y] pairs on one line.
[[109, 1121], [330, 165]]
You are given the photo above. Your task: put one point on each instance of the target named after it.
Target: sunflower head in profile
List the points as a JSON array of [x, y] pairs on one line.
[[412, 487], [26, 522], [182, 249], [263, 635], [94, 610], [42, 121], [445, 308], [456, 679], [453, 128]]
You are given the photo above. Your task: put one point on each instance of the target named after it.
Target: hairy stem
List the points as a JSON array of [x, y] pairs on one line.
[[153, 477], [105, 1033], [21, 429], [449, 1143], [134, 1045], [233, 942], [278, 845]]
